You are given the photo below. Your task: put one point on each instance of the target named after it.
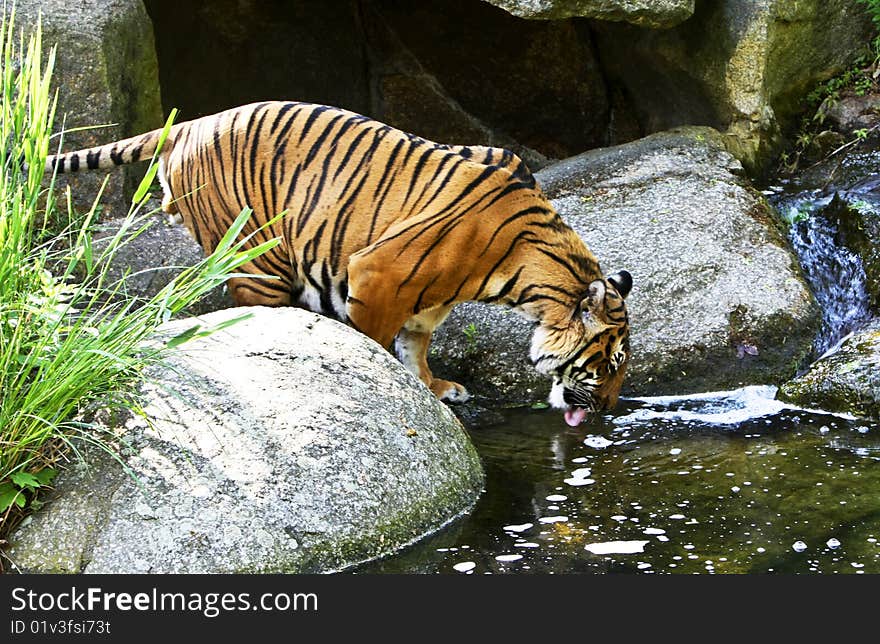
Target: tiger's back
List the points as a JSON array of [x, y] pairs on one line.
[[383, 229], [342, 178]]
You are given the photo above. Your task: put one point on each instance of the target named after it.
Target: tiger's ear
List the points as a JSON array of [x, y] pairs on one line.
[[595, 299], [622, 282]]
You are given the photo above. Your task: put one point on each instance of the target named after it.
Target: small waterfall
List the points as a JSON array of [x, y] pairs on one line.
[[819, 237]]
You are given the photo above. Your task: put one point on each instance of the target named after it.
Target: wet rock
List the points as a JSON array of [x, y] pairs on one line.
[[845, 381], [107, 78], [740, 67], [286, 443], [645, 13], [718, 299]]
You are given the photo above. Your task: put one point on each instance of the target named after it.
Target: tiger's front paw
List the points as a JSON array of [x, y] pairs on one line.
[[449, 391]]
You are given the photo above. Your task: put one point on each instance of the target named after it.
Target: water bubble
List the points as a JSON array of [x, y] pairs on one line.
[[556, 497], [579, 482], [798, 546], [654, 531], [464, 566], [675, 451], [616, 547], [522, 527], [735, 488], [597, 442], [508, 557], [832, 543], [676, 516], [557, 519]]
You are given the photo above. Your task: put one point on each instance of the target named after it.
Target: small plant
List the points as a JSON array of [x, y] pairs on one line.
[[470, 334], [797, 214]]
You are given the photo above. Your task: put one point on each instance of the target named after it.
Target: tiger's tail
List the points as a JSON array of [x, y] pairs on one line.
[[132, 150]]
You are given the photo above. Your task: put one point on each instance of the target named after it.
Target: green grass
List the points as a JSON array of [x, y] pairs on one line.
[[70, 341]]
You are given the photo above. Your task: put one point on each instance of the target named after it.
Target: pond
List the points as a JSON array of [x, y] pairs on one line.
[[728, 482]]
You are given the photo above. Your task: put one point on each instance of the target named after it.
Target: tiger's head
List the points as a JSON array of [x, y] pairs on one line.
[[587, 358]]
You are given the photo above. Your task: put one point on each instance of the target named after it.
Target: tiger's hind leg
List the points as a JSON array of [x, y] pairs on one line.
[[411, 347]]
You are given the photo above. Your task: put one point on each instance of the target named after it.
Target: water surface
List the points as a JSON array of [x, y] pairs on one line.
[[732, 482]]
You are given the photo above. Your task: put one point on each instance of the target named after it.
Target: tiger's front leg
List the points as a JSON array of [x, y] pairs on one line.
[[411, 347]]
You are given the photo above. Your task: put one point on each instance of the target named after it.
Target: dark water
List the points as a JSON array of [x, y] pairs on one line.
[[723, 483]]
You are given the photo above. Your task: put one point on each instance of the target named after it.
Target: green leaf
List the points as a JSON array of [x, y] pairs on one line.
[[9, 495], [45, 475], [25, 479], [186, 336]]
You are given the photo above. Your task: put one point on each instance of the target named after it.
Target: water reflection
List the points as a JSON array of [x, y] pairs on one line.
[[735, 482]]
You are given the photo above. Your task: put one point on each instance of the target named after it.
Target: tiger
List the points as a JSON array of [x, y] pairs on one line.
[[387, 231]]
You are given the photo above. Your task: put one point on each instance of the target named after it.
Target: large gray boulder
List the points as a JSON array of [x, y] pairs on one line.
[[107, 77], [848, 380], [741, 66], [286, 443], [718, 299], [645, 13]]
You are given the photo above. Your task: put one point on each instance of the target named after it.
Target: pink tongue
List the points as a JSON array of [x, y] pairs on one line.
[[574, 416]]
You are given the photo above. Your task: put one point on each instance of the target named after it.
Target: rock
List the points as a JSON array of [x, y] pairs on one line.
[[106, 73], [242, 52], [551, 98], [645, 13], [852, 112], [718, 300], [845, 381], [739, 66], [153, 258], [286, 443]]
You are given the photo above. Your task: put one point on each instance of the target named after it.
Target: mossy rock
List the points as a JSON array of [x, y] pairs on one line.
[[846, 381]]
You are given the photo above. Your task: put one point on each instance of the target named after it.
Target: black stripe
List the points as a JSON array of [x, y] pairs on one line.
[[116, 156], [504, 290], [316, 112], [318, 145], [532, 210], [74, 162], [93, 158]]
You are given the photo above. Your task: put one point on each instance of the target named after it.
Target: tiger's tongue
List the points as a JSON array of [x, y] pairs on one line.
[[574, 416]]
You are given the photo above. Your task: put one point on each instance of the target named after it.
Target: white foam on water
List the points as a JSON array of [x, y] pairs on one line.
[[654, 531], [597, 442], [508, 557], [556, 497], [579, 482], [464, 566], [728, 407], [616, 547], [522, 527], [581, 473], [558, 519], [676, 516], [526, 544]]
